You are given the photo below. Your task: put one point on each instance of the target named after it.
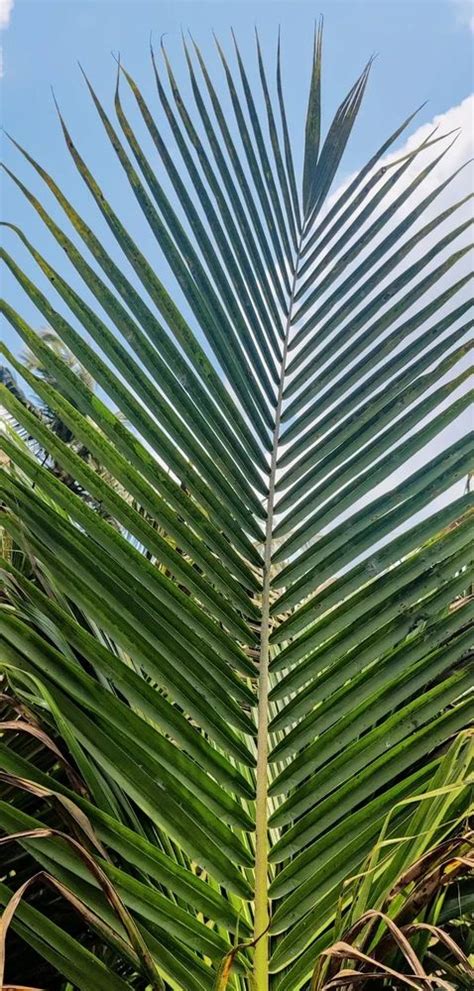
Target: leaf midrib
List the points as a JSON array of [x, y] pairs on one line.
[[261, 916]]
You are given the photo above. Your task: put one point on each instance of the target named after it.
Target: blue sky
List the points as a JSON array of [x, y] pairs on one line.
[[425, 49], [424, 46]]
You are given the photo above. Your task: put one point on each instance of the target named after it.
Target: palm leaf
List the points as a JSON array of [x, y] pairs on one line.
[[257, 653]]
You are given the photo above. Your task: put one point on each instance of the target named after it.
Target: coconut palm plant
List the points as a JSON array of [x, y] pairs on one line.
[[218, 716]]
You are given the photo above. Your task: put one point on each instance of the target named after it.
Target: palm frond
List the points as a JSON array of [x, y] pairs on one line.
[[253, 638]]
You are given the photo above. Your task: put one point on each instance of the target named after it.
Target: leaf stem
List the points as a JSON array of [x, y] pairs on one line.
[[262, 918]]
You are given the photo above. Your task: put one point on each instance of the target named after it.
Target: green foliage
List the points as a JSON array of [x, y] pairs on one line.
[[236, 651]]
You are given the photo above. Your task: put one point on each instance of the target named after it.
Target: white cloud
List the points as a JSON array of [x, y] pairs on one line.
[[462, 151], [465, 14], [458, 117], [6, 7]]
